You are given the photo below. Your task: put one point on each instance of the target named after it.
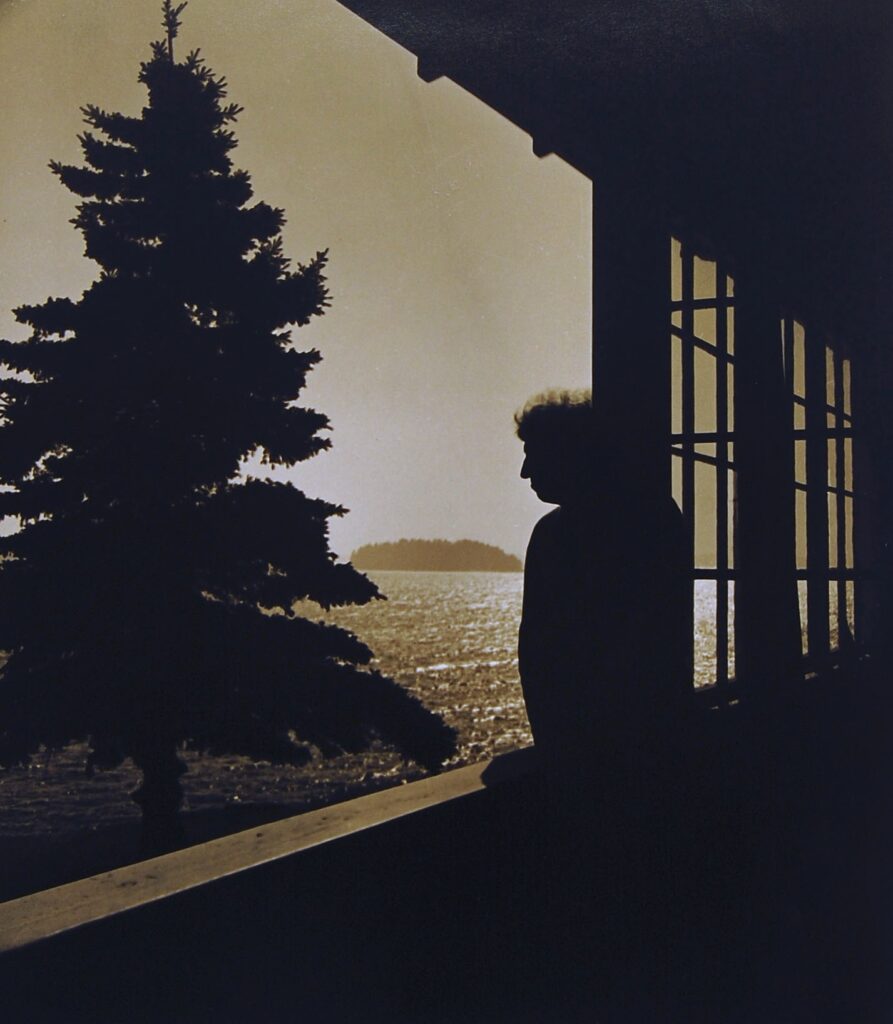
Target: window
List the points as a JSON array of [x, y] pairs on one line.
[[702, 336], [821, 393]]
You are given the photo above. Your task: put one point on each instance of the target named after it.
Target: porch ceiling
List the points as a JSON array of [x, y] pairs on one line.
[[762, 130]]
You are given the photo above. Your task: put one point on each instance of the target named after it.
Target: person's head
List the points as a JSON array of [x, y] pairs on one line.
[[558, 431]]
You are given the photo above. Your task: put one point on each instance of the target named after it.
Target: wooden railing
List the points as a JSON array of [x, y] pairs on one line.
[[53, 912]]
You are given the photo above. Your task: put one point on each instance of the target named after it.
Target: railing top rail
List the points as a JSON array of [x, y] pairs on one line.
[[39, 916]]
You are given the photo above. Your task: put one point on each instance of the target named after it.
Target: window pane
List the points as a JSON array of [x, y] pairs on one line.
[[704, 279], [730, 330], [799, 360], [848, 533], [804, 621], [677, 479], [787, 358], [799, 417], [707, 449], [832, 462], [705, 325], [676, 318], [833, 618], [848, 463], [847, 388], [730, 286], [676, 385], [731, 659], [675, 269], [705, 392], [705, 632], [851, 606], [800, 462], [730, 391], [800, 517], [730, 526], [705, 515], [829, 376], [832, 531]]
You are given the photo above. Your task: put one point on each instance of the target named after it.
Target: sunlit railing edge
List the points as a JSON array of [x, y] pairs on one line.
[[51, 912]]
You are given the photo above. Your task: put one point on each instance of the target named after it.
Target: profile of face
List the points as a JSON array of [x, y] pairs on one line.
[[548, 473]]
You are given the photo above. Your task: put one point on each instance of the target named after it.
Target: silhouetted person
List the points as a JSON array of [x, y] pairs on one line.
[[604, 643], [605, 666]]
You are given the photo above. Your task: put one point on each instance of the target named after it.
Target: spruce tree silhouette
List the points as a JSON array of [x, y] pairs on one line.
[[146, 601]]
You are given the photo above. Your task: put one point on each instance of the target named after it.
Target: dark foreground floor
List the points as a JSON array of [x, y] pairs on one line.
[[750, 885]]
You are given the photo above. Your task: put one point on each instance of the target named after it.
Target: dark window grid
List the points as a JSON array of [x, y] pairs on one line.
[[818, 569], [841, 492], [689, 337], [722, 301], [788, 355], [837, 434], [701, 437], [710, 460], [843, 434], [722, 486], [822, 433], [819, 573], [688, 396], [801, 434], [837, 409], [685, 441], [688, 399], [823, 576], [788, 350]]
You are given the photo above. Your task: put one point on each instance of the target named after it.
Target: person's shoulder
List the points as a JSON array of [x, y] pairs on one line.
[[548, 525], [546, 534]]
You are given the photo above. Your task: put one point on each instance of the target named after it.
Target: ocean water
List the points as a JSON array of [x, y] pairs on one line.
[[440, 632], [451, 638]]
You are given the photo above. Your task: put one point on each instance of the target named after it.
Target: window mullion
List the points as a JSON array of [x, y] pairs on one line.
[[722, 487], [840, 498], [816, 499], [688, 398]]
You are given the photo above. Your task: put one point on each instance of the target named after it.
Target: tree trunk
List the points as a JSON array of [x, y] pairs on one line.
[[159, 798]]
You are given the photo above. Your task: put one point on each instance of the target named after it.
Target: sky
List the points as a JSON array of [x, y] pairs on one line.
[[460, 263]]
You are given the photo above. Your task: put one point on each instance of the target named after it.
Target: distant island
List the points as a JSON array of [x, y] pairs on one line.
[[436, 556]]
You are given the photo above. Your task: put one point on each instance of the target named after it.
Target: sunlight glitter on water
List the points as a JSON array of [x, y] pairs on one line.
[[451, 638], [446, 634]]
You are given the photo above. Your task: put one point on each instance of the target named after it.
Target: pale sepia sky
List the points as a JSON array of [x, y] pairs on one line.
[[459, 262]]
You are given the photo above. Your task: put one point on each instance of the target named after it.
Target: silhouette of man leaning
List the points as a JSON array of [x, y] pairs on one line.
[[604, 642], [604, 657]]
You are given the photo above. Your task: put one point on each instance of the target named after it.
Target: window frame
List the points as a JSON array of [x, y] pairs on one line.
[[687, 444]]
